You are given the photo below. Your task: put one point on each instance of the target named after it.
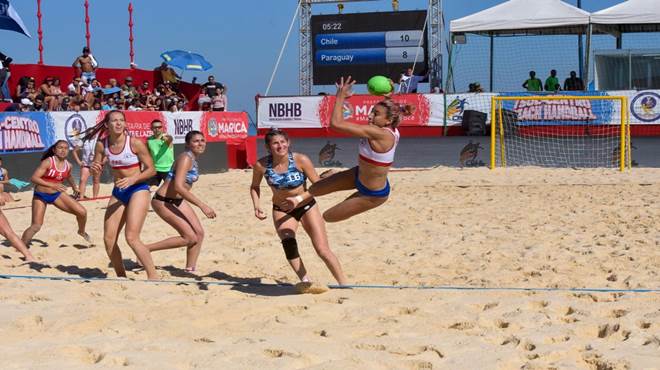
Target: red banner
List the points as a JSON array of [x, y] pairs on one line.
[[358, 107], [224, 126]]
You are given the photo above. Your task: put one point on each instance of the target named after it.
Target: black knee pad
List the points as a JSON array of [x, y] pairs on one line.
[[290, 246]]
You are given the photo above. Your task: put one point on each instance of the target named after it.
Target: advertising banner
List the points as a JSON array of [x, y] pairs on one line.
[[289, 112], [456, 105], [180, 123], [223, 126], [23, 132], [357, 108]]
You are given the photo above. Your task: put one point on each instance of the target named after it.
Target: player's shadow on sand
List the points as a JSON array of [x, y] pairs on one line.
[[84, 272], [78, 246], [41, 243]]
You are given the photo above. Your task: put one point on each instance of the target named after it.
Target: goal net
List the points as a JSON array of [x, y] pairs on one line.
[[560, 131]]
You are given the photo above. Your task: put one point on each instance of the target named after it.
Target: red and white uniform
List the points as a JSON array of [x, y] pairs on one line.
[[124, 159], [53, 174], [369, 155]]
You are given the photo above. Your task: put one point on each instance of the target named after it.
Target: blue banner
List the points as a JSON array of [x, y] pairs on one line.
[[569, 112], [23, 132]]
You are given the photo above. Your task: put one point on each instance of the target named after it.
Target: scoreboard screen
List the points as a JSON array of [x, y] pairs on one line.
[[366, 44]]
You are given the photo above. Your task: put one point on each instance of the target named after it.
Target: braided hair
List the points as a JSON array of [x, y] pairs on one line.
[[100, 129]]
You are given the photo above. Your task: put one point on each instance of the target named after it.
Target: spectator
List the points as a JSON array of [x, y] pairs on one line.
[[26, 91], [109, 105], [128, 86], [5, 73], [533, 83], [573, 83], [161, 150], [167, 74], [25, 105], [552, 82], [75, 87], [181, 105], [144, 88], [220, 100], [475, 87], [211, 87], [87, 65], [408, 82]]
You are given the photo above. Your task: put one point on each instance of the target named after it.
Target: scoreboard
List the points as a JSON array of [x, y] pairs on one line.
[[366, 44]]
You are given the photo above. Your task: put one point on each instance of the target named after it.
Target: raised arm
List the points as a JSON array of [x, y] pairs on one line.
[[255, 190], [183, 164], [337, 122]]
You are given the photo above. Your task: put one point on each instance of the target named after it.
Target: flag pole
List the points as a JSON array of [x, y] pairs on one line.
[[87, 34], [130, 34], [41, 34]]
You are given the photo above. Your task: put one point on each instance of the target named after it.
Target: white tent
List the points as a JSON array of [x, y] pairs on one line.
[[630, 16], [525, 17]]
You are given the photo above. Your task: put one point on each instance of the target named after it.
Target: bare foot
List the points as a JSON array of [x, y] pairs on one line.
[[85, 236], [307, 287]]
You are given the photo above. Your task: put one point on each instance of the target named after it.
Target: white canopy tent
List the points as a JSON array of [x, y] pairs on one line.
[[524, 17], [630, 16]]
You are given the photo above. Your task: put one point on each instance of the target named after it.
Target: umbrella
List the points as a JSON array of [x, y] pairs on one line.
[[111, 90], [186, 60], [10, 20]]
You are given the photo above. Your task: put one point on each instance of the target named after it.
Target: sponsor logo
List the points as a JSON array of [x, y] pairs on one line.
[[468, 155], [327, 155], [347, 110], [284, 111], [20, 133], [455, 109], [182, 126], [232, 128], [554, 110], [212, 127], [73, 126], [645, 107]]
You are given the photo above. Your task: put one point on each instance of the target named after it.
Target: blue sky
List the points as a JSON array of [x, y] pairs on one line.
[[241, 38]]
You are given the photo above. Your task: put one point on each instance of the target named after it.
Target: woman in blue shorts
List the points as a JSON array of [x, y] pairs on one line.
[[131, 167], [48, 180], [286, 173], [378, 142]]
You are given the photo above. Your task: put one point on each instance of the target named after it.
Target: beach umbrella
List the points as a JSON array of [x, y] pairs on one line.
[[10, 20], [186, 60]]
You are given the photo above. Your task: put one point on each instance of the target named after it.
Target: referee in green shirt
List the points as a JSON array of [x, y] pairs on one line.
[[161, 150]]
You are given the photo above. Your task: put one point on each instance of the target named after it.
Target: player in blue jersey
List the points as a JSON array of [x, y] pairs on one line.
[[286, 173]]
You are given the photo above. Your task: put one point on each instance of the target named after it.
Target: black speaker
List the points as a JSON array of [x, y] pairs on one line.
[[474, 123]]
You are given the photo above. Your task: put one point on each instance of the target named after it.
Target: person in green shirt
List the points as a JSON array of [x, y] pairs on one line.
[[552, 82], [161, 150], [533, 83]]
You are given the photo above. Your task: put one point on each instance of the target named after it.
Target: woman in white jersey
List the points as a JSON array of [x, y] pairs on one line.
[[130, 198], [83, 154], [377, 146]]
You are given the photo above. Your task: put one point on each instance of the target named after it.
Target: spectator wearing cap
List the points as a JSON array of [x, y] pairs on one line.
[[129, 88], [26, 105], [87, 65], [211, 86]]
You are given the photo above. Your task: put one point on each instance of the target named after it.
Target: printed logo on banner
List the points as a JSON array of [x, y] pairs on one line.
[[645, 107], [20, 133], [285, 111], [455, 109], [347, 110], [212, 127], [182, 126], [73, 126]]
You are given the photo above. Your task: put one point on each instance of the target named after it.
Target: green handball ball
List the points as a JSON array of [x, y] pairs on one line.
[[379, 85]]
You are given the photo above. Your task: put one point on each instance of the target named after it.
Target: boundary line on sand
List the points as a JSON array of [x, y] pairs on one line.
[[332, 286]]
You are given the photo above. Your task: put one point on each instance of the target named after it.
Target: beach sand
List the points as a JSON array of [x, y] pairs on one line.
[[508, 228]]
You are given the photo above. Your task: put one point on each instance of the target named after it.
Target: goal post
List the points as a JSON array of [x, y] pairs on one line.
[[574, 131]]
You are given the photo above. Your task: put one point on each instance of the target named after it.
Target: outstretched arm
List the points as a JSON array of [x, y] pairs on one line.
[[255, 190], [183, 164]]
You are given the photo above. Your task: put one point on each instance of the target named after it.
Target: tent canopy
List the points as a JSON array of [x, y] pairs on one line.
[[525, 17], [630, 16]]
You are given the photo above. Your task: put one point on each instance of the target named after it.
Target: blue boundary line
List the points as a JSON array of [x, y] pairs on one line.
[[333, 286]]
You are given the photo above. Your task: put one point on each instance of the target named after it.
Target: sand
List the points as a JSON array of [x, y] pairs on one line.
[[509, 228]]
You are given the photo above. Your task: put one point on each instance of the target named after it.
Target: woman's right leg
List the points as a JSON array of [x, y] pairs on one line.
[[344, 180], [113, 222], [16, 242], [315, 227], [38, 212], [286, 227], [84, 175]]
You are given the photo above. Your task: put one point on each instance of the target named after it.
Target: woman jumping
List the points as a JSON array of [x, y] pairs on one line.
[[171, 202], [286, 173], [48, 178], [129, 202], [377, 146]]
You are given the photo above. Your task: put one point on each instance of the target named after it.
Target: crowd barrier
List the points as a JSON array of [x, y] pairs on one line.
[[311, 114], [26, 132]]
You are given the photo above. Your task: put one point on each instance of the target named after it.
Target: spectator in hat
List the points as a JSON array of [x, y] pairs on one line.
[[87, 65]]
